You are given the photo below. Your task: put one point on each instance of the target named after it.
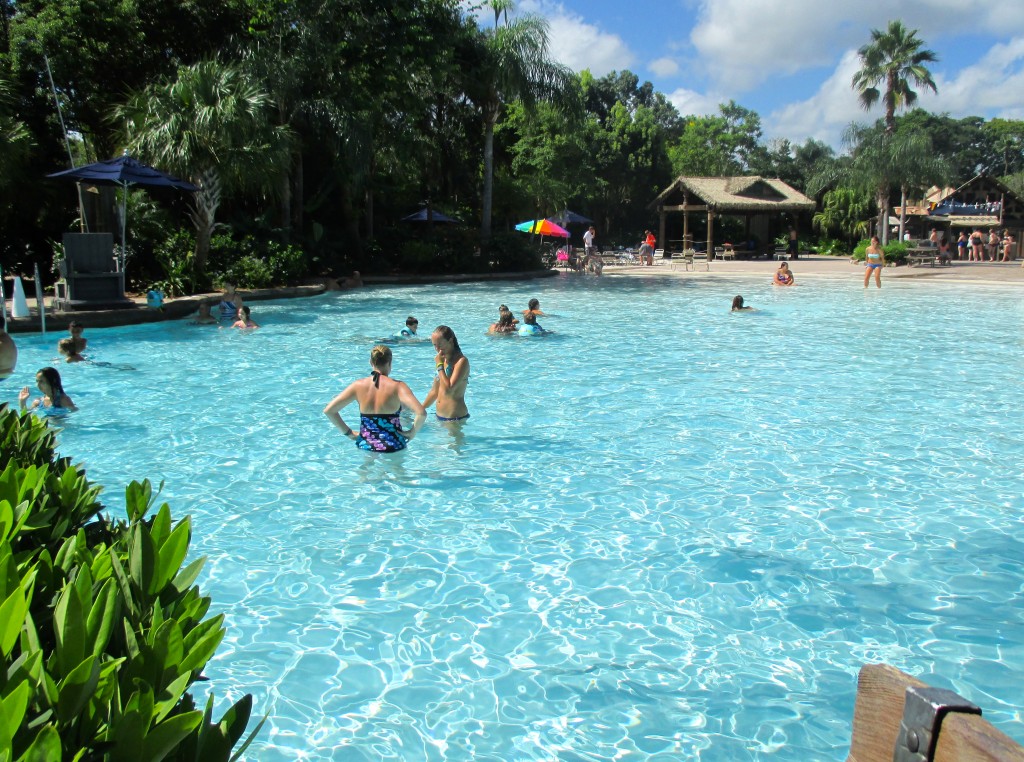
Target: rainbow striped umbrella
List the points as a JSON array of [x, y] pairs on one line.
[[543, 227]]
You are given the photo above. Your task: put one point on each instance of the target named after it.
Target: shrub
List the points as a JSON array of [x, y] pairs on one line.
[[895, 252], [176, 257], [102, 631], [513, 252], [249, 263]]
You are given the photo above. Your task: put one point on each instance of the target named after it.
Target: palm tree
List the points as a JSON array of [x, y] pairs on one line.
[[514, 65], [213, 126], [894, 58], [847, 210]]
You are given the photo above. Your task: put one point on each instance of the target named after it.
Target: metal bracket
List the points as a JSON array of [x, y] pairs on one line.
[[923, 710]]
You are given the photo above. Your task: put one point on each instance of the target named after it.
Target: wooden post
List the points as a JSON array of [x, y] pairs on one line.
[[881, 691], [711, 233], [661, 229], [686, 221]]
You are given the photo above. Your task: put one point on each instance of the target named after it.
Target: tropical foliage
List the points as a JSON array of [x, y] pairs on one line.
[[320, 125], [102, 628]]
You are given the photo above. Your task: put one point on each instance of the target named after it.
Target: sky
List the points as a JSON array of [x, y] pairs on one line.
[[792, 61]]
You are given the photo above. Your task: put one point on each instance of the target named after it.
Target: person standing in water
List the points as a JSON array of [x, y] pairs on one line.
[[874, 261], [380, 403], [451, 376]]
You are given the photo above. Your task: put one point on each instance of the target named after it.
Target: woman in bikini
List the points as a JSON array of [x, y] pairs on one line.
[[451, 376], [380, 402], [874, 261], [783, 276]]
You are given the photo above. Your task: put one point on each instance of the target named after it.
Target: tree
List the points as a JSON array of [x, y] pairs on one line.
[[846, 210], [895, 59], [212, 125], [514, 65]]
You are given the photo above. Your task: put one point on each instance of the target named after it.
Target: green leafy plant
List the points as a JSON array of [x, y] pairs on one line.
[[177, 263], [102, 628], [895, 252]]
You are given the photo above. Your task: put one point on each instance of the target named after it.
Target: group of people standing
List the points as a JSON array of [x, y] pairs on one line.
[[973, 248]]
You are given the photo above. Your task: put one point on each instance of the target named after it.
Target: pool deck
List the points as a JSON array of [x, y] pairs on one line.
[[815, 267], [809, 267]]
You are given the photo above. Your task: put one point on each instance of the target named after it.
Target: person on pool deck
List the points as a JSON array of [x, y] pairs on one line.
[[737, 305], [380, 400], [451, 376], [506, 321], [244, 319], [230, 302], [783, 276], [54, 401], [874, 261], [70, 349], [8, 351]]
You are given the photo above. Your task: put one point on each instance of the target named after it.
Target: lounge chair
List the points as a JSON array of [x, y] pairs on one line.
[[684, 257]]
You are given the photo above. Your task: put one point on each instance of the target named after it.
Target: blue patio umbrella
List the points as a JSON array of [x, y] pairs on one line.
[[124, 172], [434, 216], [565, 217]]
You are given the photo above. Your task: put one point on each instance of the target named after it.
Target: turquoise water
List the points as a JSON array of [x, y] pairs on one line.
[[667, 531]]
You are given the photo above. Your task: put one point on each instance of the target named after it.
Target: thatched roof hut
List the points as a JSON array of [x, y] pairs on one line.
[[746, 195]]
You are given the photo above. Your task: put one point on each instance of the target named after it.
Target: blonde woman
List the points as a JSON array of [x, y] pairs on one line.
[[380, 403]]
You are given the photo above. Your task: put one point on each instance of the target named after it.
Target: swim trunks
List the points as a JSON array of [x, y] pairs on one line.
[[872, 267], [380, 432], [449, 420]]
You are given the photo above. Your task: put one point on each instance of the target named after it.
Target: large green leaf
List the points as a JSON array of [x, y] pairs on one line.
[[12, 617], [102, 617], [137, 496], [162, 739], [142, 558], [45, 747], [12, 712], [203, 651], [76, 689], [69, 631], [172, 553], [183, 581]]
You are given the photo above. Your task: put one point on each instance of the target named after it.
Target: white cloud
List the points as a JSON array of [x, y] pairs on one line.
[[825, 114], [743, 43], [579, 45], [663, 67], [994, 86], [692, 103]]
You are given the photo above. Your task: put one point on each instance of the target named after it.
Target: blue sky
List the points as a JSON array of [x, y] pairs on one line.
[[792, 60]]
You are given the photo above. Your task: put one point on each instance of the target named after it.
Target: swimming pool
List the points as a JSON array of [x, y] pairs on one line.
[[666, 532]]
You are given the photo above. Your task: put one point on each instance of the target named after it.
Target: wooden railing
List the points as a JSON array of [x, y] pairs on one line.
[[879, 712]]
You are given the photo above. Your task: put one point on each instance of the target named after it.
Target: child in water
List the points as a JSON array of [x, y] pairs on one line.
[[244, 321], [54, 401]]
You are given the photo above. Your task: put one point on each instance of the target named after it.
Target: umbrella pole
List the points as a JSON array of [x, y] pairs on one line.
[[124, 213]]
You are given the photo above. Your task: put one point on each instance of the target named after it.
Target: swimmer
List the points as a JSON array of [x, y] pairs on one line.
[[507, 322], [737, 305], [874, 261], [532, 312], [244, 321], [203, 316], [380, 402], [451, 376], [355, 280], [783, 276], [76, 329], [230, 302], [409, 332], [8, 351], [70, 349], [54, 401]]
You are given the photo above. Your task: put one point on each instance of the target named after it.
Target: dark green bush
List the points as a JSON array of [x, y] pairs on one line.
[[895, 252], [102, 630], [249, 263], [176, 257], [513, 252]]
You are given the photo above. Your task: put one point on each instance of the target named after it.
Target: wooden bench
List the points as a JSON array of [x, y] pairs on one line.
[[922, 256]]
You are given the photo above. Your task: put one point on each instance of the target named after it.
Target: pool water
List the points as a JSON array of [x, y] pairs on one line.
[[667, 531]]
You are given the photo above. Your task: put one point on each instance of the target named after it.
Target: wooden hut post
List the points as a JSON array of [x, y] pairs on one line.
[[661, 227], [711, 232], [687, 243]]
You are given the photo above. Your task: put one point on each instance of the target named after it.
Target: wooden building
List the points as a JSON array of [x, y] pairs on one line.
[[759, 200]]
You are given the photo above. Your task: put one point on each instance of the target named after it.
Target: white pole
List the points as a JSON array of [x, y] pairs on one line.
[[40, 302], [3, 297]]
